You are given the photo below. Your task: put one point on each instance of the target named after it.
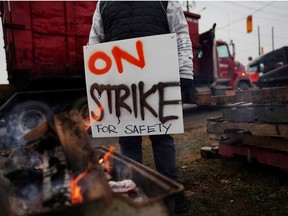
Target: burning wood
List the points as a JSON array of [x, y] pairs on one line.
[[55, 168], [61, 169], [81, 159]]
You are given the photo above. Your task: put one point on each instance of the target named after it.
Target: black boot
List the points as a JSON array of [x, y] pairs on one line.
[[181, 204]]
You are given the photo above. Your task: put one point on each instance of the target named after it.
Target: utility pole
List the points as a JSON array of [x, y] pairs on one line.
[[187, 5], [272, 38], [259, 45]]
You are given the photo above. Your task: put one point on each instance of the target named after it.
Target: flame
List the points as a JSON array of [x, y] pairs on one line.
[[87, 121], [76, 196], [101, 161], [106, 159]]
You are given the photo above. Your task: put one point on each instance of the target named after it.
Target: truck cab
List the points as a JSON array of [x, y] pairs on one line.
[[215, 67], [230, 71]]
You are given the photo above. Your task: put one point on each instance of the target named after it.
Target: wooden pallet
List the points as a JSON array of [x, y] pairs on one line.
[[254, 125], [264, 95], [222, 126], [273, 143], [269, 150], [266, 156], [249, 112]]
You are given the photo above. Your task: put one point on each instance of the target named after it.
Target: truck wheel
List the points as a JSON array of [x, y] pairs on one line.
[[26, 116], [82, 106], [243, 86]]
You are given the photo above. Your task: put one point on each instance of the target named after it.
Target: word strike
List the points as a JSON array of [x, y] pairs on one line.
[[139, 97]]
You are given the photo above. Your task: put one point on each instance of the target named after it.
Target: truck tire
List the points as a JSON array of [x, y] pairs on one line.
[[243, 86], [26, 116]]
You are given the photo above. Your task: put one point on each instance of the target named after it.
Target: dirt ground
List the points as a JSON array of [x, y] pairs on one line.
[[223, 186]]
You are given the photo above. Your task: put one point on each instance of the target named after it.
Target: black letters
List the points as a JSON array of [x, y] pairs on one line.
[[162, 102], [143, 97], [122, 102]]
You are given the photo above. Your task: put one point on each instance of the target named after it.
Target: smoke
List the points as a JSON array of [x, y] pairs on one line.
[[24, 158]]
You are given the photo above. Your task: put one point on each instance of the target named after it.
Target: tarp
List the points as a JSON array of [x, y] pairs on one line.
[[271, 59]]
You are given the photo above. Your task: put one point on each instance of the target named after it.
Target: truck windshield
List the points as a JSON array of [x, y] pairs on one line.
[[252, 68], [223, 51]]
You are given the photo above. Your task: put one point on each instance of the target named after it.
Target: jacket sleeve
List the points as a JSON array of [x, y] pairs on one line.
[[96, 33], [178, 24]]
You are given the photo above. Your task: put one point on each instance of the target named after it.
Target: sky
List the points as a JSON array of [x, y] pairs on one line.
[[270, 18], [3, 72], [230, 18]]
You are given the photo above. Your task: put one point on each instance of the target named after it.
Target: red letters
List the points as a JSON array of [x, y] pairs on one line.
[[119, 55], [93, 58]]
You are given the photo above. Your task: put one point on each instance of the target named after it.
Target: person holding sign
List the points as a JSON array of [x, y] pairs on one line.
[[119, 20]]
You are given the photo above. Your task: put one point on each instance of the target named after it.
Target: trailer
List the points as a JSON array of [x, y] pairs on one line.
[[44, 54]]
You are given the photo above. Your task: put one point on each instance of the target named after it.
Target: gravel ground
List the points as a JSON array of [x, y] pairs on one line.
[[223, 186]]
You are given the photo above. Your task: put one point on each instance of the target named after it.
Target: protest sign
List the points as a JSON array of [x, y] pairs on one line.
[[133, 87]]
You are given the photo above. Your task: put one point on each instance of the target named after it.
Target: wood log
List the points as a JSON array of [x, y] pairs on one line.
[[80, 156]]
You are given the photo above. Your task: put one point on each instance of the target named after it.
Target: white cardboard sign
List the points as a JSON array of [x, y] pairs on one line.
[[133, 87]]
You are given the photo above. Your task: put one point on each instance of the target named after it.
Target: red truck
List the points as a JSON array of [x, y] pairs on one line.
[[215, 68], [44, 55]]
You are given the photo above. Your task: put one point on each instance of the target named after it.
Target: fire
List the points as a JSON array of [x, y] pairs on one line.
[[106, 159], [76, 196], [87, 121], [101, 161]]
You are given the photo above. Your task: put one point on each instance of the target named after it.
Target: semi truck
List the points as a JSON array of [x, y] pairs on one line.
[[266, 63], [43, 42]]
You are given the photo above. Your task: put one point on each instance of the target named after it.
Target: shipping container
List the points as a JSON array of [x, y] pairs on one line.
[[45, 39]]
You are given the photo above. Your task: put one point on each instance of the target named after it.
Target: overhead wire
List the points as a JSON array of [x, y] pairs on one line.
[[254, 10], [243, 18], [208, 4]]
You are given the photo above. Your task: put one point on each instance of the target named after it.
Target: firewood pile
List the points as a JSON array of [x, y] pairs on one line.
[[54, 170], [254, 124]]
